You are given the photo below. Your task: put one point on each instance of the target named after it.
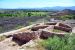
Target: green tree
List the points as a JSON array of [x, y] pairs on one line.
[[29, 14]]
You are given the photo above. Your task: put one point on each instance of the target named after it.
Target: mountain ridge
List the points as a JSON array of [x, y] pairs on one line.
[[47, 8]]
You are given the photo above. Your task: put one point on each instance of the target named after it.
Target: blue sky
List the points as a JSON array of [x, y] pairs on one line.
[[35, 3]]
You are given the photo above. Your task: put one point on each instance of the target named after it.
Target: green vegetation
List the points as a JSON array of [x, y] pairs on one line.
[[56, 43], [55, 30], [2, 37], [21, 13], [59, 31], [17, 18], [66, 17]]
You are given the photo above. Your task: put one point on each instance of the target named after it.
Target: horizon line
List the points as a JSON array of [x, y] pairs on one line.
[[35, 7]]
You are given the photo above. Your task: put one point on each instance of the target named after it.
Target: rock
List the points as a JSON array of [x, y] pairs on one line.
[[73, 30], [63, 25], [31, 43], [35, 28], [40, 31], [50, 28], [63, 28], [46, 35], [23, 38], [50, 23]]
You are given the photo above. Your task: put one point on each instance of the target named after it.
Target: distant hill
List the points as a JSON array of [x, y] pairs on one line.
[[60, 8], [64, 12], [48, 8]]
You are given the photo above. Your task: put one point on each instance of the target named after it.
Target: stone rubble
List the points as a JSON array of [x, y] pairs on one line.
[[42, 31]]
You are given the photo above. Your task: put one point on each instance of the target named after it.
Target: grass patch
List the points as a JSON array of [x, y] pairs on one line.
[[2, 38], [56, 43], [58, 31]]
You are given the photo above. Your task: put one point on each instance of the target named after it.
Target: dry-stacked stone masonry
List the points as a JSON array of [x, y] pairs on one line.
[[38, 31]]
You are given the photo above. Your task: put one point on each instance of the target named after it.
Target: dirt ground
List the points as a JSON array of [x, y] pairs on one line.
[[8, 44]]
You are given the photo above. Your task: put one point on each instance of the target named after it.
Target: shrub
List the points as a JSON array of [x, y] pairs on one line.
[[2, 38], [56, 43], [66, 17]]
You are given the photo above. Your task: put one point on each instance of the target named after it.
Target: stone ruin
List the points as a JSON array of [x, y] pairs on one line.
[[22, 38], [35, 28], [40, 31], [46, 35], [63, 27]]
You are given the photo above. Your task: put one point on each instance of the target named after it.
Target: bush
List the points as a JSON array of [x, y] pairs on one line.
[[56, 43], [2, 38], [66, 17]]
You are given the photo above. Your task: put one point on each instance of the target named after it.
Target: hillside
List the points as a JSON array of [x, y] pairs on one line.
[[29, 37], [14, 19], [31, 30]]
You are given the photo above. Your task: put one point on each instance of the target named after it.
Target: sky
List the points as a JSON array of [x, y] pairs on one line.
[[35, 3]]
